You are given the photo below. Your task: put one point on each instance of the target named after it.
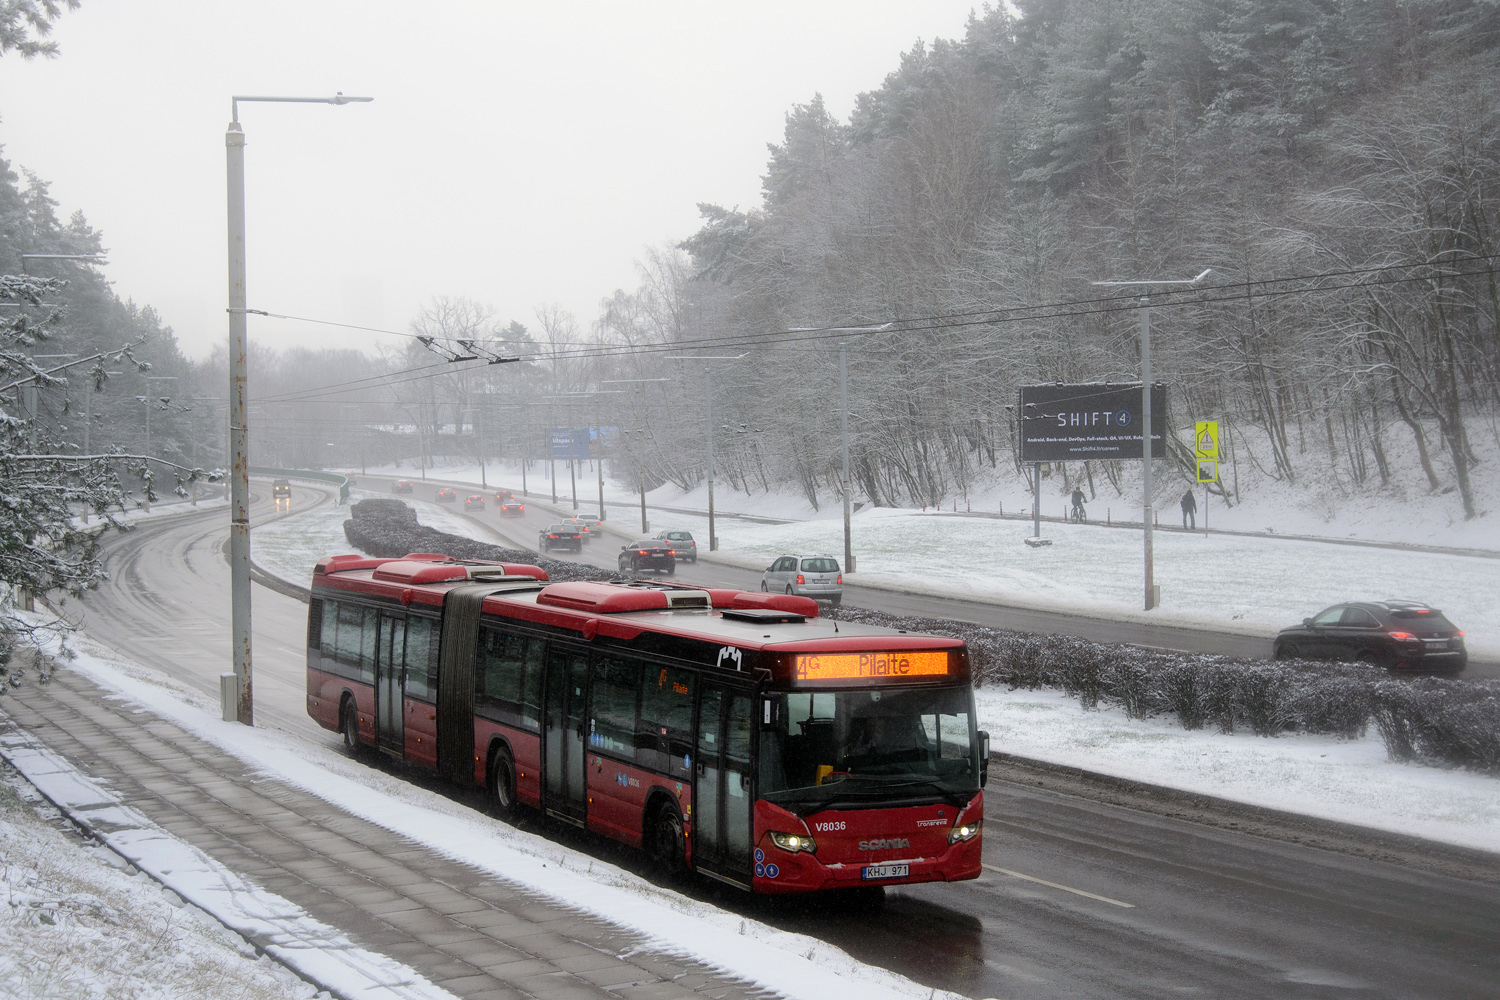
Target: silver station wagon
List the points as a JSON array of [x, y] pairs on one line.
[[814, 576]]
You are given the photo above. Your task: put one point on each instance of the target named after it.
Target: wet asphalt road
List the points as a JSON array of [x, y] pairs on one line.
[[1080, 899]]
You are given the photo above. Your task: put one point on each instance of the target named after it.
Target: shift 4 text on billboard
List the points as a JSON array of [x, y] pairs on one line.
[[1070, 423]]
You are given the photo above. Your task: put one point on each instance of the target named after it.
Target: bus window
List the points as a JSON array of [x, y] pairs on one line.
[[419, 650], [612, 716], [347, 639], [368, 633], [500, 672], [666, 721], [531, 691], [330, 631]]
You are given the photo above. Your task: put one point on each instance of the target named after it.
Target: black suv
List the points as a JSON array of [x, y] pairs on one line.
[[648, 553], [1402, 635], [560, 536], [281, 488]]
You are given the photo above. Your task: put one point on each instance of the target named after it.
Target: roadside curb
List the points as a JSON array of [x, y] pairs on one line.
[[1243, 818]]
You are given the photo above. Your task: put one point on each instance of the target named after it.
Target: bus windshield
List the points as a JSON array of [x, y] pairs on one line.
[[864, 747]]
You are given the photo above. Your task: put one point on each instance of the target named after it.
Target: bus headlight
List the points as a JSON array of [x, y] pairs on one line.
[[794, 842], [968, 831]]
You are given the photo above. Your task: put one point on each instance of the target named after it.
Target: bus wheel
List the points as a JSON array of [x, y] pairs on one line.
[[350, 726], [503, 784], [667, 841]]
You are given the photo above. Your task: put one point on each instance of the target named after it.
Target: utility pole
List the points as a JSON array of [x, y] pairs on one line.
[[708, 398], [844, 424], [1147, 452]]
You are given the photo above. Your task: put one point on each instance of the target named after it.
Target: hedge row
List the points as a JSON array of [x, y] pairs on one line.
[[389, 528], [1426, 719]]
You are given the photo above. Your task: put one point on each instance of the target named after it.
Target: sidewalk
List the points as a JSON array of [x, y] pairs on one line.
[[466, 932]]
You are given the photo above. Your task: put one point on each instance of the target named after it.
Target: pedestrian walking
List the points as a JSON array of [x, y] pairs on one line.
[[1189, 509]]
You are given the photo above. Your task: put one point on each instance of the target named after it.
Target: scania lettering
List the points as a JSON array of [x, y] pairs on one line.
[[735, 734]]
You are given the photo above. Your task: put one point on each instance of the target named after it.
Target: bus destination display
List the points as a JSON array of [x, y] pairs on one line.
[[861, 666]]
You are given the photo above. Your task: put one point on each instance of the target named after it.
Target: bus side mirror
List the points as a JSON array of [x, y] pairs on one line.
[[984, 759]]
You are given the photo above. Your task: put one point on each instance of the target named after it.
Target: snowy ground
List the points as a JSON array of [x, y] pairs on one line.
[[794, 965], [76, 923], [1348, 781], [1233, 583]]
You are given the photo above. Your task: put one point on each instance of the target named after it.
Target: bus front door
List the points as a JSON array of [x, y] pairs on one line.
[[562, 726], [390, 654], [722, 793]]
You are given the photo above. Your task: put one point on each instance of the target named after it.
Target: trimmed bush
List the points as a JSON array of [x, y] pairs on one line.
[[1428, 720], [389, 528]]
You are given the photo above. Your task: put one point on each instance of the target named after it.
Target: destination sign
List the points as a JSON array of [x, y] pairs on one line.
[[863, 666], [1070, 423]]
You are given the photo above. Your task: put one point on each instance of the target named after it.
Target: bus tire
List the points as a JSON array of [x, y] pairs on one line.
[[349, 726], [667, 844], [503, 783]]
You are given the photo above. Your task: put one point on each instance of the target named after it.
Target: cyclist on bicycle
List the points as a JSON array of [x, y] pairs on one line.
[[1078, 514]]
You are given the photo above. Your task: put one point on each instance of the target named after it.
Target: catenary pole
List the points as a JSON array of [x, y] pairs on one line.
[[239, 465], [708, 397], [844, 427]]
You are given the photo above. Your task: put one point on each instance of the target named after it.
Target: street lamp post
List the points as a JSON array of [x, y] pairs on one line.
[[1146, 443], [239, 458]]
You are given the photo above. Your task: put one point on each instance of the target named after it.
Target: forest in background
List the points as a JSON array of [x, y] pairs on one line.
[[1332, 161]]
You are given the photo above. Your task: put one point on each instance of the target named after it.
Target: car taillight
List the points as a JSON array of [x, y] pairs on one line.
[[841, 579], [1401, 635], [642, 552], [551, 536], [800, 580]]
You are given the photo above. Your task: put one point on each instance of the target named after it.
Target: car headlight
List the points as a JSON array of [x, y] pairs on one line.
[[794, 842], [967, 831]]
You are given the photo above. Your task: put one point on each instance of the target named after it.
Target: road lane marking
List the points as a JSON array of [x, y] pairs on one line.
[[1064, 888]]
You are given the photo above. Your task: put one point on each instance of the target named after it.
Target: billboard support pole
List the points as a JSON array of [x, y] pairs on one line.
[[1036, 499]]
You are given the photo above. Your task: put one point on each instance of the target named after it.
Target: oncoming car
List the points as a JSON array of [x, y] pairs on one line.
[[560, 536], [401, 486], [445, 495], [1400, 635], [647, 554], [512, 508], [812, 576], [281, 489], [475, 502]]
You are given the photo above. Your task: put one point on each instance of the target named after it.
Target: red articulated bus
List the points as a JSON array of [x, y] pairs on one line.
[[736, 734]]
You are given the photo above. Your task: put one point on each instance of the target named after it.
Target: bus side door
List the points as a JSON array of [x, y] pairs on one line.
[[563, 714], [390, 657], [722, 793]]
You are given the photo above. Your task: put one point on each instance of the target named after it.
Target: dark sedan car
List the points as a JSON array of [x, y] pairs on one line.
[[446, 495], [647, 554], [1401, 635], [512, 508], [475, 502], [401, 486], [560, 536]]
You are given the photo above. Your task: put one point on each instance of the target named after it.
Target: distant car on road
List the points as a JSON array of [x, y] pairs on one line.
[[1399, 635], [581, 525], [683, 546], [504, 495], [281, 489], [593, 523], [512, 508], [647, 554], [445, 495], [812, 576], [560, 536], [475, 502], [401, 486]]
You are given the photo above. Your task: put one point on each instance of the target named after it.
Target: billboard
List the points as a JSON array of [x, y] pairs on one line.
[[1071, 423], [579, 437]]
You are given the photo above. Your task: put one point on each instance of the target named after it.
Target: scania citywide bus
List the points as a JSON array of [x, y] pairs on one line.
[[736, 734]]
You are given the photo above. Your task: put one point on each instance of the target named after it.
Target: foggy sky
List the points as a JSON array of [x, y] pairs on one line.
[[515, 154]]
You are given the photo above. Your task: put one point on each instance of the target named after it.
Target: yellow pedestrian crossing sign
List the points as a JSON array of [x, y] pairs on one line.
[[1208, 470], [1206, 443]]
